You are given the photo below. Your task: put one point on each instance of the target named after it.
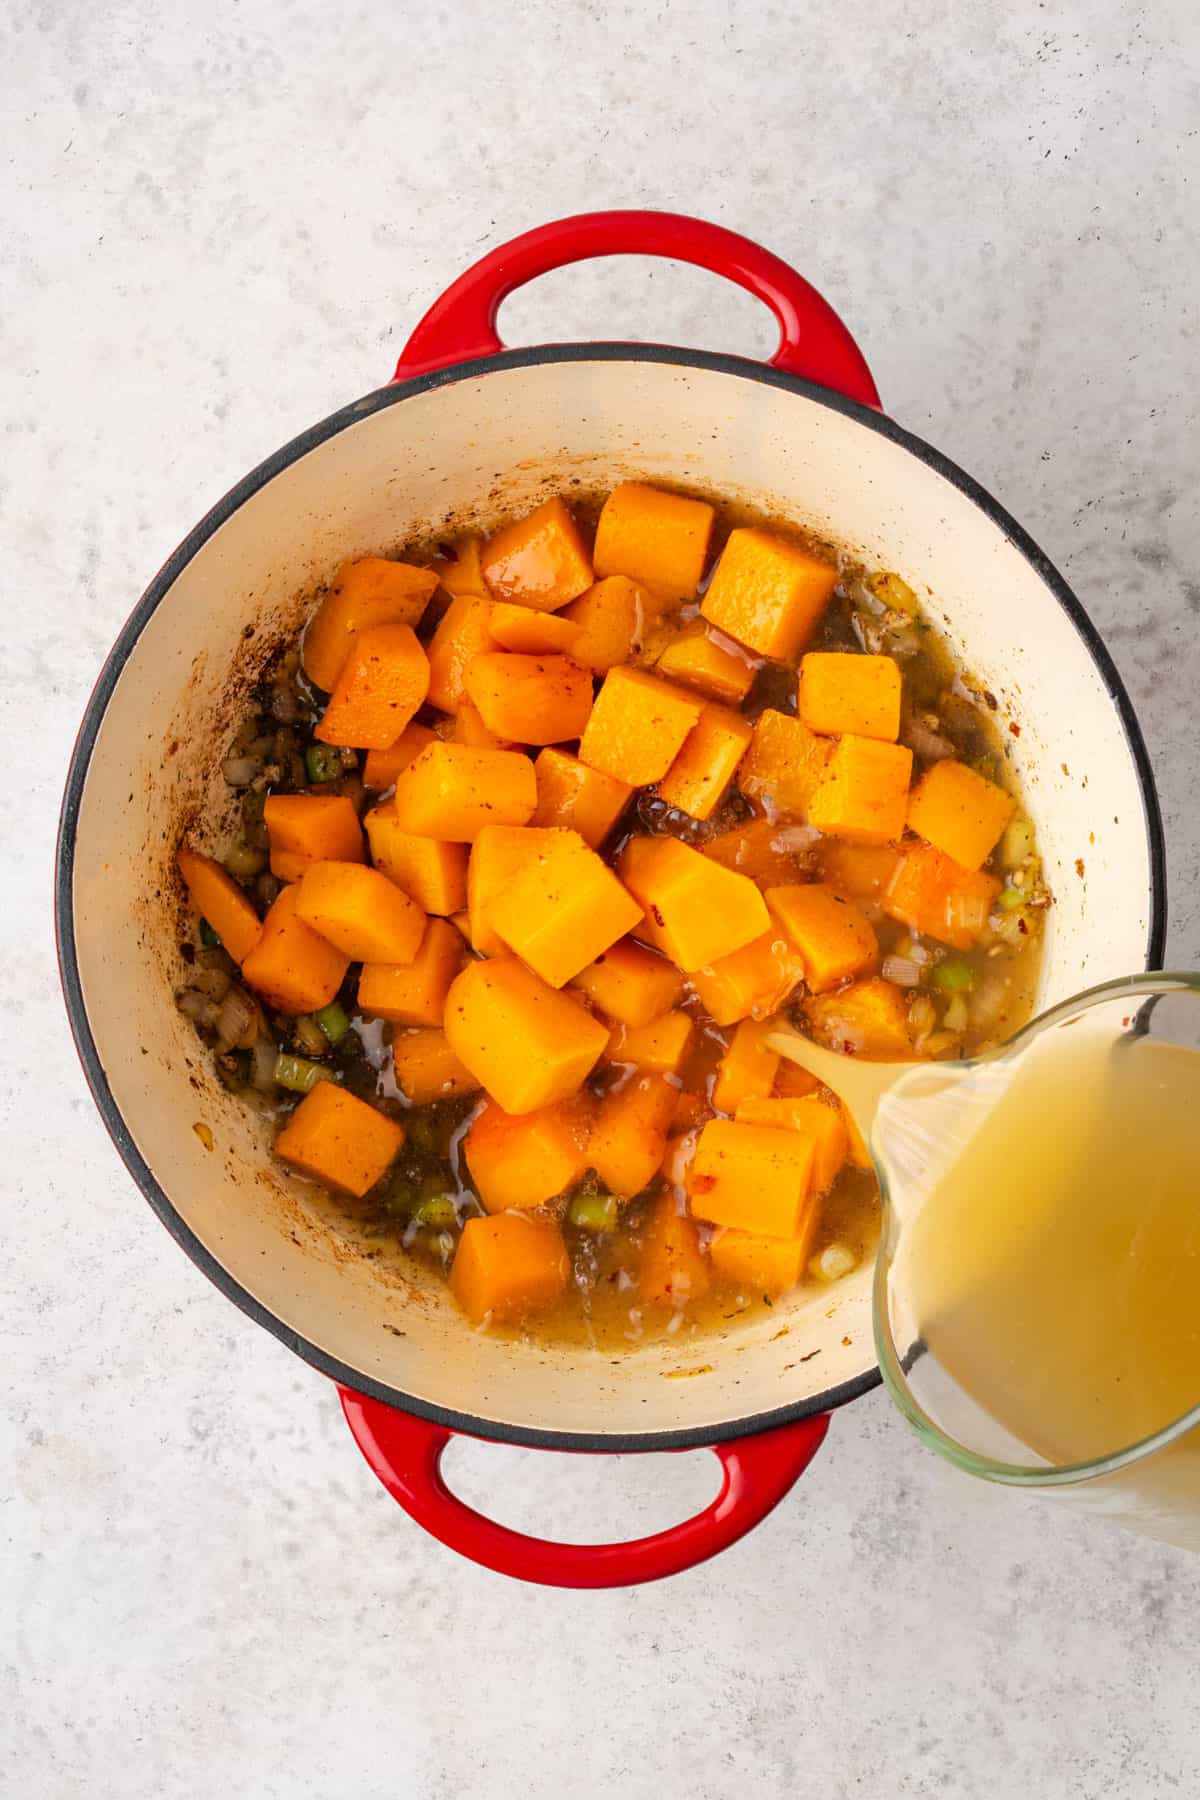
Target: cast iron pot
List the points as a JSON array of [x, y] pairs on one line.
[[468, 429]]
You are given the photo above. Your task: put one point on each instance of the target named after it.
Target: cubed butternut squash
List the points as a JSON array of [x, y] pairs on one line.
[[783, 766], [525, 1160], [760, 1265], [340, 1140], [659, 1047], [539, 561], [630, 985], [857, 871], [763, 849], [382, 682], [753, 981], [576, 797], [833, 935], [461, 636], [370, 591], [673, 1269], [612, 618], [525, 1042], [696, 911], [934, 895], [431, 872], [813, 1118], [217, 897], [498, 853], [292, 966], [508, 1265], [748, 1068], [793, 1082], [637, 726], [707, 761], [868, 1018], [425, 1067], [471, 729], [382, 766], [530, 699], [309, 828], [863, 794], [768, 593], [655, 537], [754, 1177], [532, 633], [842, 691], [462, 573], [715, 666], [359, 910], [414, 992], [959, 812], [629, 1134], [451, 791], [563, 909]]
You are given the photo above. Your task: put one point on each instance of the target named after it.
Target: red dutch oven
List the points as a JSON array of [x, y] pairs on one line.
[[467, 431]]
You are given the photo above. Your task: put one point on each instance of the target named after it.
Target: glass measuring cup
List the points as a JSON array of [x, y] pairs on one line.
[[1037, 1291]]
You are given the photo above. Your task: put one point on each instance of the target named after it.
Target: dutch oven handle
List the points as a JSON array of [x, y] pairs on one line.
[[405, 1452], [814, 343]]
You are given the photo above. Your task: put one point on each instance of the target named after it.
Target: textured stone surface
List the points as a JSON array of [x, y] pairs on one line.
[[213, 234]]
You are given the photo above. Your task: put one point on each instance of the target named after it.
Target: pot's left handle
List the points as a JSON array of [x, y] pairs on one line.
[[813, 342], [405, 1453]]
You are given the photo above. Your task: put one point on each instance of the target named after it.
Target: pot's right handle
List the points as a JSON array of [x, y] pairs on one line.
[[405, 1453], [813, 343]]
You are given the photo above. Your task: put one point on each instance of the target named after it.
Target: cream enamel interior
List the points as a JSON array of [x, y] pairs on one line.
[[478, 445]]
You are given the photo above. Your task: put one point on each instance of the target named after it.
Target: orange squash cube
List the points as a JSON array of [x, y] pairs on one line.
[[292, 966], [813, 1119], [414, 992], [524, 1041], [451, 791], [462, 573], [563, 909], [834, 936], [383, 681], [655, 537], [754, 981], [868, 1018], [761, 1265], [531, 633], [463, 634], [768, 593], [576, 797], [539, 561], [630, 985], [217, 897], [432, 873], [498, 853], [508, 1265], [530, 699], [340, 1140], [425, 1067], [612, 618], [793, 1082], [857, 871], [673, 1268], [526, 1160], [371, 591], [382, 766], [784, 764], [959, 812], [748, 1067], [707, 762], [637, 726], [359, 910], [714, 666], [841, 691], [697, 911], [309, 828], [630, 1133], [754, 1177], [658, 1047], [470, 729], [863, 794], [761, 849], [935, 896]]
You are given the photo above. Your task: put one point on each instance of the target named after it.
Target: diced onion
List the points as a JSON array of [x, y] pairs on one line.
[[903, 970], [834, 1262], [237, 1021], [239, 771]]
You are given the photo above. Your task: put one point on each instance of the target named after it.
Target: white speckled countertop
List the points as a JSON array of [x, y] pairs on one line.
[[214, 233]]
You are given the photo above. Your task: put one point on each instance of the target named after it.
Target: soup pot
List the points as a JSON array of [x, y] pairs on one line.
[[467, 431]]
